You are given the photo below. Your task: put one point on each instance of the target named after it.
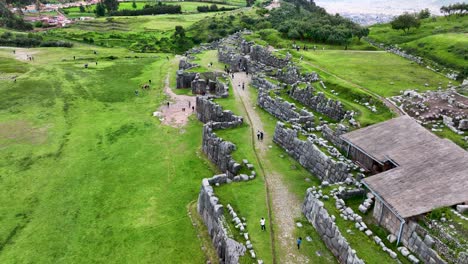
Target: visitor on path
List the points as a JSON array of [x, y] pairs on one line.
[[136, 92], [262, 224], [261, 136], [193, 108], [189, 104], [233, 76], [258, 135], [149, 81], [183, 109], [299, 241], [243, 86], [168, 104]]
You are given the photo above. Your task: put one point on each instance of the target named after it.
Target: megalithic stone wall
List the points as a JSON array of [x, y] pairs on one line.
[[319, 102], [209, 111], [284, 110], [318, 216], [219, 151], [310, 156], [229, 251]]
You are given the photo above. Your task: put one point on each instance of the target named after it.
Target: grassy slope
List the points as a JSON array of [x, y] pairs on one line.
[[377, 71], [86, 174], [440, 40]]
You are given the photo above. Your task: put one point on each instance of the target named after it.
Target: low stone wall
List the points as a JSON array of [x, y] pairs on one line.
[[209, 111], [229, 251], [334, 135], [319, 102], [317, 215], [284, 110], [310, 156], [219, 151]]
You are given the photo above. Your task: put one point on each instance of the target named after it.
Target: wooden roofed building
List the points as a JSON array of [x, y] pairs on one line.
[[414, 171]]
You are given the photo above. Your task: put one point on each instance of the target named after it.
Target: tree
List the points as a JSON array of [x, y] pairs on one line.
[[405, 22], [82, 9], [360, 32], [179, 32], [134, 5], [100, 10], [250, 2], [111, 5], [425, 13]]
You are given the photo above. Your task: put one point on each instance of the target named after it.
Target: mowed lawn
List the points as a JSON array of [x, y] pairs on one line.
[[87, 175], [381, 72]]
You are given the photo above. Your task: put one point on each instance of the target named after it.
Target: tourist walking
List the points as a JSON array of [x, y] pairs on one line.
[[299, 241], [258, 135], [261, 136], [243, 86], [262, 224]]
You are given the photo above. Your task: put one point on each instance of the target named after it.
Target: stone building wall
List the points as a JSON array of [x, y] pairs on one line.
[[420, 246], [229, 251], [284, 110], [318, 216], [219, 151], [184, 79], [209, 111], [310, 156], [319, 102]]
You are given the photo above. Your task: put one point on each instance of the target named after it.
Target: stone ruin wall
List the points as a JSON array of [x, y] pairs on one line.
[[310, 156], [219, 151], [334, 135], [318, 216], [209, 111], [229, 251], [422, 247], [284, 110], [260, 82], [319, 102]]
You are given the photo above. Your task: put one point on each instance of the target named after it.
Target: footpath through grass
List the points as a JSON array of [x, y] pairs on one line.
[[87, 175]]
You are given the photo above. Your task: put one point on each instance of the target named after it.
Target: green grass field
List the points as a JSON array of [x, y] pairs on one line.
[[380, 72], [443, 40], [187, 7], [87, 174]]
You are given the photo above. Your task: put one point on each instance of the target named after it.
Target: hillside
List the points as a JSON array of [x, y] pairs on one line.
[[443, 40]]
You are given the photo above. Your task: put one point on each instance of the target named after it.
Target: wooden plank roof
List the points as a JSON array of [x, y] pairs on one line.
[[431, 173]]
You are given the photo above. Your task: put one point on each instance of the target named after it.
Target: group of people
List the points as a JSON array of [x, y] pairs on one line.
[[263, 227], [260, 135]]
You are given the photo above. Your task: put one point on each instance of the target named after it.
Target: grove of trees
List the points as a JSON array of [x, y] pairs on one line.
[[405, 22], [458, 8]]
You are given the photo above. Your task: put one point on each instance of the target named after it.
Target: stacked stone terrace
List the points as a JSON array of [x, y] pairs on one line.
[[219, 152]]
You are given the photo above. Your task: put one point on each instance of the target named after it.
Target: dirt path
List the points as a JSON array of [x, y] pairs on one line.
[[173, 115], [274, 4], [21, 53], [384, 100], [285, 205]]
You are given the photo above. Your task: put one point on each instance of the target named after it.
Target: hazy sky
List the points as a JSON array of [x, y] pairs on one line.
[[381, 6]]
